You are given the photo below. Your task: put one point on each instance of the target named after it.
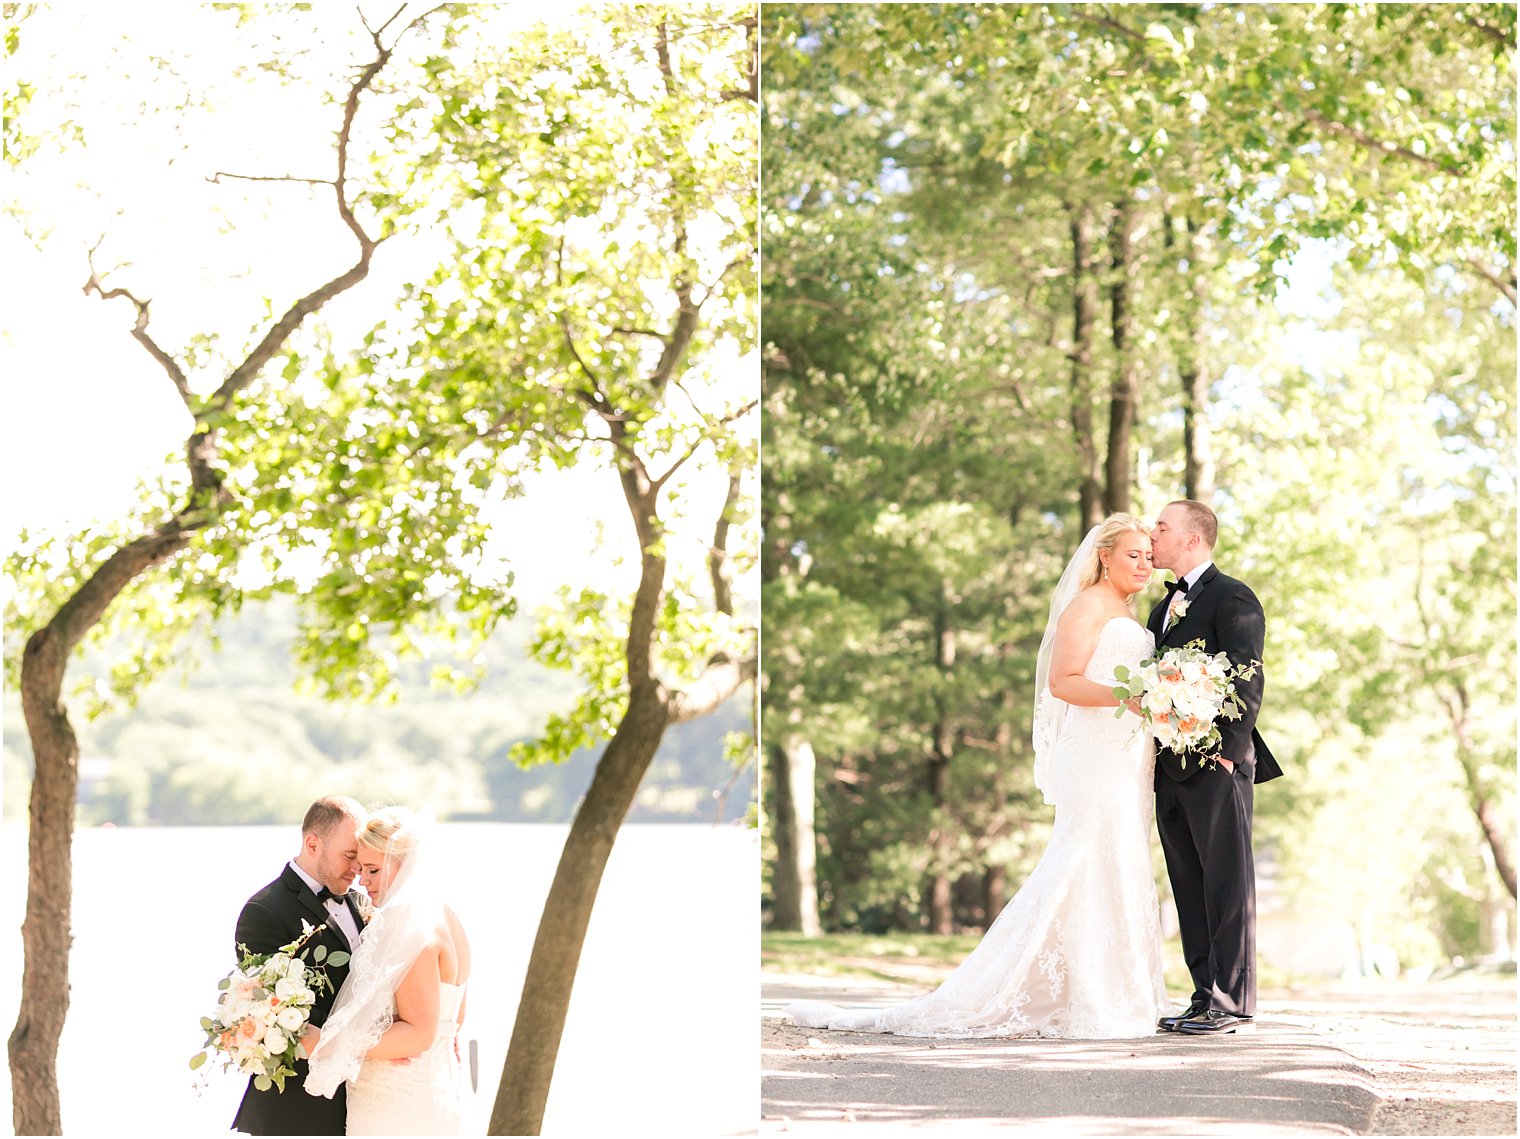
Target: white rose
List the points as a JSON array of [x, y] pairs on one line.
[[1191, 703], [1156, 701], [289, 989], [296, 969], [291, 1020], [275, 1041], [1192, 670]]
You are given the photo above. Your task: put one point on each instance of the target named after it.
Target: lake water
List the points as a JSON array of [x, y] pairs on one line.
[[661, 1033]]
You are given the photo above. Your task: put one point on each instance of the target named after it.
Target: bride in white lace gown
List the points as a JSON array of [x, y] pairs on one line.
[[1077, 952], [392, 1032]]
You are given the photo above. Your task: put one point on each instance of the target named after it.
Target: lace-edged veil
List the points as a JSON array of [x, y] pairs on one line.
[[398, 931], [1050, 712]]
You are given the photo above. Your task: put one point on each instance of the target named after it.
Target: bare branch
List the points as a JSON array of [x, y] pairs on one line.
[[739, 413], [1110, 23], [217, 177], [718, 561], [170, 366], [589, 394], [1496, 34], [378, 32], [679, 340], [734, 264], [1382, 147], [281, 330], [659, 483], [1505, 286]]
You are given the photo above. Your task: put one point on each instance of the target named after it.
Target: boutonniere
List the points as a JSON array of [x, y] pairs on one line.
[[365, 904], [1179, 611]]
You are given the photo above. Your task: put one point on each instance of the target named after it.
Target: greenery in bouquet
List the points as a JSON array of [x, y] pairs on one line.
[[264, 1007], [1183, 692]]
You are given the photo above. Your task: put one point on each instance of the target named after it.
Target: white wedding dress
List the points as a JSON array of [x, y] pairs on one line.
[[1077, 952], [423, 1096]]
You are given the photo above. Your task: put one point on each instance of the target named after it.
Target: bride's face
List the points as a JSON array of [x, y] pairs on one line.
[[1129, 562], [375, 873]]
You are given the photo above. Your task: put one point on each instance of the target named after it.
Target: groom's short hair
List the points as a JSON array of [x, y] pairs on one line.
[[327, 812], [1201, 520]]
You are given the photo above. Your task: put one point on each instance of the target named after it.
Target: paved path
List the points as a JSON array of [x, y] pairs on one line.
[[1289, 1077]]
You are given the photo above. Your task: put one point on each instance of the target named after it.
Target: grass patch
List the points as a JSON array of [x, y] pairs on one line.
[[916, 958], [888, 957]]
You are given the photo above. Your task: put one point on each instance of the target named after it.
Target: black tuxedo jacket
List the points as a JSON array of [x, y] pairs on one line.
[[270, 919], [1224, 614]]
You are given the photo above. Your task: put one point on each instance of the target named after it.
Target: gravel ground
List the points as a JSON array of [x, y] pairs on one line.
[[1441, 1054]]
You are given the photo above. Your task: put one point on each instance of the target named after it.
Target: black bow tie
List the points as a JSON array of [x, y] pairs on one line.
[[1175, 586], [325, 895]]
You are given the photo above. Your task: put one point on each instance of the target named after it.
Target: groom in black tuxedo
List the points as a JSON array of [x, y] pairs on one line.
[[314, 886], [1204, 803]]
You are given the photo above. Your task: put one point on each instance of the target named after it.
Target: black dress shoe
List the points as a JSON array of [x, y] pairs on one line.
[[1170, 1023], [1215, 1022]]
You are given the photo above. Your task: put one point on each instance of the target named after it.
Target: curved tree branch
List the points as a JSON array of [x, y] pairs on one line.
[[43, 1007], [170, 366], [1504, 285], [1362, 138], [720, 680]]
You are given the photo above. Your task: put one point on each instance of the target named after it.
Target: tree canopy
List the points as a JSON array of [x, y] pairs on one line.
[[1025, 264]]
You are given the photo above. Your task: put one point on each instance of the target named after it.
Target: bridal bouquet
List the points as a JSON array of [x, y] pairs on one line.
[[265, 1004], [1182, 693]]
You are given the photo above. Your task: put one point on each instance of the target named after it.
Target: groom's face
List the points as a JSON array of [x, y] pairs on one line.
[[337, 856], [1169, 537]]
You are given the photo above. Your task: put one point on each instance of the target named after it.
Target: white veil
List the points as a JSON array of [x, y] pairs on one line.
[[398, 931], [1050, 712]]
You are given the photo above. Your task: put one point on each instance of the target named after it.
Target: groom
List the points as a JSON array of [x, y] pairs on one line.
[[1203, 808], [314, 886]]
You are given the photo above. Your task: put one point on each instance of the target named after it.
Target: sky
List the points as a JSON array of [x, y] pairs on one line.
[[85, 413]]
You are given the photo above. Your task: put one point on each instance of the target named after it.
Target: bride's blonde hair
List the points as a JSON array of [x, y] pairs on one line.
[[1109, 531], [389, 831]]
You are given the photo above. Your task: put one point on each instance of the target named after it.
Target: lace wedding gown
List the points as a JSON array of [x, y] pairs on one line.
[[1077, 952], [421, 1097]]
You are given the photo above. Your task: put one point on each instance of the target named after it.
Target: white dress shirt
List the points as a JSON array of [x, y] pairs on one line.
[[1189, 580], [337, 909]]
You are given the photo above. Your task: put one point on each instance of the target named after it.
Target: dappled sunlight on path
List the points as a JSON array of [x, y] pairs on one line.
[[1387, 1059]]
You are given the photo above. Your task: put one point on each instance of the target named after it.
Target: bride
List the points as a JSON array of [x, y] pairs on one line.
[[391, 1034], [1077, 952]]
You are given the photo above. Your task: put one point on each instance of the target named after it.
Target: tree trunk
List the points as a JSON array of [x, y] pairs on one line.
[[33, 1044], [937, 905], [1459, 709], [1197, 440], [1121, 405], [794, 878], [994, 891], [995, 879], [938, 902], [524, 1089], [1084, 299], [45, 935]]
